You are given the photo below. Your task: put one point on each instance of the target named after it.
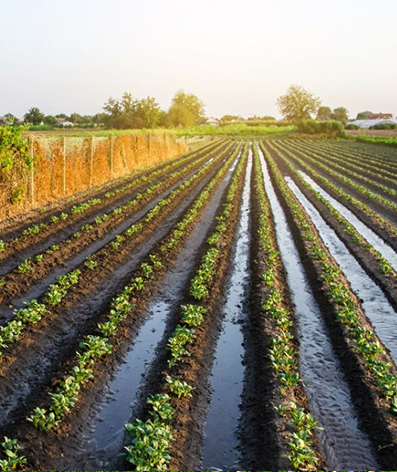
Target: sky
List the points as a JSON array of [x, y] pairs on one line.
[[237, 56]]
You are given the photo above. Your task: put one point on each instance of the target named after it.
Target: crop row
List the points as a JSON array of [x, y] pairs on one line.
[[378, 154], [282, 352], [340, 165], [349, 182], [367, 166], [78, 211], [355, 236], [12, 331], [95, 346], [371, 352], [44, 261], [382, 223], [152, 439]]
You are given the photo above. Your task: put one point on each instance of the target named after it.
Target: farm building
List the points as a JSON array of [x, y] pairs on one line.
[[212, 121], [366, 124]]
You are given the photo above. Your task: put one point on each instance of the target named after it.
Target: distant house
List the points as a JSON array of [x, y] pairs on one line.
[[64, 123], [380, 116], [366, 124], [3, 121], [212, 121]]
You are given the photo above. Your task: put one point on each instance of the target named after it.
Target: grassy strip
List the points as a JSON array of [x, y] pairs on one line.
[[283, 353], [364, 339], [355, 236], [12, 331], [94, 347], [341, 193], [392, 142], [152, 439]]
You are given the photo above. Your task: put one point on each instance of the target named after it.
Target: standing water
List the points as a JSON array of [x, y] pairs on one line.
[[220, 430], [344, 445], [376, 306]]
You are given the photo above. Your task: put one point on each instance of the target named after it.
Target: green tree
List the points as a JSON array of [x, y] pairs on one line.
[[10, 118], [50, 120], [363, 115], [186, 110], [341, 114], [34, 116], [324, 114], [130, 113], [298, 104]]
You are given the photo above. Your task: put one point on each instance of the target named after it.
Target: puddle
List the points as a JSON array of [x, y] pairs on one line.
[[220, 430], [344, 445], [105, 440], [378, 243], [376, 306]]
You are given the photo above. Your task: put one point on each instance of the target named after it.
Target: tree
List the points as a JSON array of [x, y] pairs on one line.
[[186, 110], [10, 118], [324, 114], [34, 116], [341, 114], [363, 115], [298, 104], [130, 113], [50, 120]]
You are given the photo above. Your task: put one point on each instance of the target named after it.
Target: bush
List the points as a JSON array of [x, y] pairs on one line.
[[352, 126], [384, 126], [330, 128]]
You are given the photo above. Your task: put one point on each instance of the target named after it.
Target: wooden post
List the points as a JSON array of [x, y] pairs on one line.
[[111, 155], [32, 196], [64, 165], [91, 159]]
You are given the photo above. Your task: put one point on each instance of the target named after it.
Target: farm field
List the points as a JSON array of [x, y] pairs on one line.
[[233, 308]]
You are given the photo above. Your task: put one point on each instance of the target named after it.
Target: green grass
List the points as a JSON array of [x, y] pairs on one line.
[[378, 140], [237, 130]]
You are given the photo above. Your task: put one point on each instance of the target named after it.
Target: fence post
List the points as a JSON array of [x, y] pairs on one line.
[[32, 199], [64, 165], [111, 156], [91, 159]]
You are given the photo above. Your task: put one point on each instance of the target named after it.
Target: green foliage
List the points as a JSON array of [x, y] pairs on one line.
[[387, 141], [130, 113], [330, 128], [186, 110], [150, 445], [243, 130], [13, 149], [14, 460], [179, 388], [298, 104], [34, 116]]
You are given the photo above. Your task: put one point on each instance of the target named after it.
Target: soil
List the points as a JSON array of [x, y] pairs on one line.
[[373, 411]]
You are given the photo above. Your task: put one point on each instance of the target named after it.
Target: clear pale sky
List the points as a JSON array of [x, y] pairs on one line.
[[237, 56]]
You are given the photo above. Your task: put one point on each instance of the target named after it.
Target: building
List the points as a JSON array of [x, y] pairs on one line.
[[212, 121], [64, 123], [366, 124], [380, 116]]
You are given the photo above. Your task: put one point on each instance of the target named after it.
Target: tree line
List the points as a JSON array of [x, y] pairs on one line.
[[128, 112]]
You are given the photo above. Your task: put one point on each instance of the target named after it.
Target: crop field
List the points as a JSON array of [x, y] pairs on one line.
[[232, 308]]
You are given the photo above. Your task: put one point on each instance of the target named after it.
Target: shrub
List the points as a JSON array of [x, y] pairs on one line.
[[329, 128], [352, 126]]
